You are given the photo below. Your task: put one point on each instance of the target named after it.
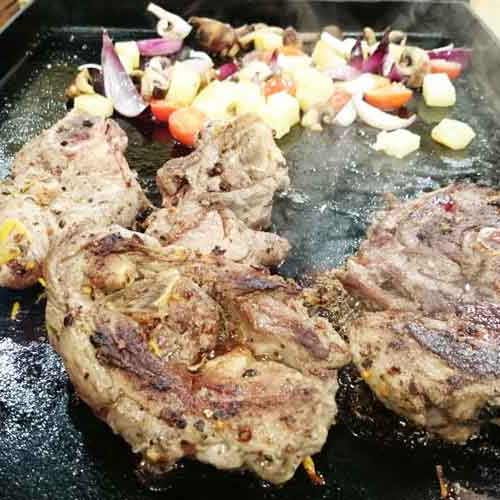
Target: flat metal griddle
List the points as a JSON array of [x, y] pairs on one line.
[[51, 446]]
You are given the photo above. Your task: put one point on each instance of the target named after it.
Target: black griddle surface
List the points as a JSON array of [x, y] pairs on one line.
[[52, 447]]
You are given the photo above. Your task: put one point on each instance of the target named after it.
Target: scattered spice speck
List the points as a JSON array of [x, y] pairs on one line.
[[16, 307]]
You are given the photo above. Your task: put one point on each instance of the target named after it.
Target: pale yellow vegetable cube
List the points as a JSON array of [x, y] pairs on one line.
[[217, 100], [184, 85], [94, 104], [313, 87], [249, 99], [280, 113], [290, 63], [438, 90], [267, 40], [453, 134], [288, 105], [129, 55], [324, 56], [398, 143]]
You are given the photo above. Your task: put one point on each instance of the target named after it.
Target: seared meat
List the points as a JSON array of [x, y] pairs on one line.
[[189, 356], [216, 230], [73, 173], [433, 265], [431, 253], [236, 166]]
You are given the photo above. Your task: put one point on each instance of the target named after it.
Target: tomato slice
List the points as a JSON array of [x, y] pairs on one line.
[[162, 109], [391, 97], [451, 68], [185, 124], [339, 99], [277, 84]]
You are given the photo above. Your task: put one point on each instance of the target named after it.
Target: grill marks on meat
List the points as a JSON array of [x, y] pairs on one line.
[[432, 267], [219, 198], [193, 356], [72, 174]]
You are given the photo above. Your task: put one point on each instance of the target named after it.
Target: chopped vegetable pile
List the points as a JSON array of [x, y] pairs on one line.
[[283, 76]]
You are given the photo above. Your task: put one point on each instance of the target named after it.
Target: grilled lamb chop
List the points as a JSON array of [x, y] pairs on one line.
[[236, 166], [431, 266], [73, 173], [216, 230], [189, 356]]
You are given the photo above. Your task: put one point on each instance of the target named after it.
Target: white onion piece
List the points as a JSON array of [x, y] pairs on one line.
[[349, 44], [169, 24], [90, 66], [333, 42], [387, 65], [360, 85], [347, 115], [344, 73], [379, 119], [118, 85]]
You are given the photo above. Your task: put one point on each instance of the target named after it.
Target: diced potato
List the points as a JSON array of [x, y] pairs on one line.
[[324, 56], [217, 100], [290, 63], [267, 40], [255, 69], [313, 87], [398, 143], [453, 134], [438, 90], [288, 104], [95, 104], [281, 113], [184, 85], [129, 55], [249, 99]]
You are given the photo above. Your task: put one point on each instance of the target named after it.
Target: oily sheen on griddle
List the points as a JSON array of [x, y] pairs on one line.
[[429, 271], [219, 197], [72, 174], [192, 356]]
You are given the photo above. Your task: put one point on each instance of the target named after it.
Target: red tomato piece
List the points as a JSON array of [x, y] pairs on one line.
[[185, 124], [451, 68]]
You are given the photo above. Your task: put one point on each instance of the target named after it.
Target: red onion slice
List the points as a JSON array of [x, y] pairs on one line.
[[118, 85], [460, 55], [159, 46], [226, 70]]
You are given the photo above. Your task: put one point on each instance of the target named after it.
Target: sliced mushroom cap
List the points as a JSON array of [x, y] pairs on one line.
[[156, 78], [397, 36], [81, 85], [214, 36], [369, 36], [414, 65]]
